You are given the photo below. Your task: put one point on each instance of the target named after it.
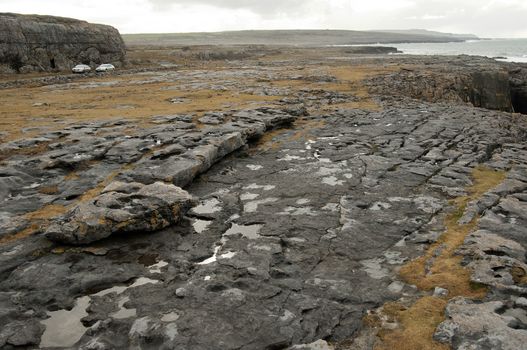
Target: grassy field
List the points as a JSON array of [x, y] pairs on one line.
[[288, 37]]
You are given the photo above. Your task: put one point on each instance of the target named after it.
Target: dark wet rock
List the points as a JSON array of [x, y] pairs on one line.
[[31, 42], [205, 148], [21, 333], [121, 208], [70, 157], [212, 118], [518, 84], [294, 239], [129, 151]]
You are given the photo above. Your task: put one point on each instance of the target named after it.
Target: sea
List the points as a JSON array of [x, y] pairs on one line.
[[510, 50]]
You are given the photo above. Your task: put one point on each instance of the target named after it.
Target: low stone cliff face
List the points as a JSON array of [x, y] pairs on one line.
[[478, 81], [518, 84], [33, 42]]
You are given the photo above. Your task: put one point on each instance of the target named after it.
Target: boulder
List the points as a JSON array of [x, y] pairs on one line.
[[487, 325], [121, 208], [21, 333], [43, 43]]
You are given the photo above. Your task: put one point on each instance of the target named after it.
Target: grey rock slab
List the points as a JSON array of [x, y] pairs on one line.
[[467, 327], [121, 208], [48, 43], [21, 333]]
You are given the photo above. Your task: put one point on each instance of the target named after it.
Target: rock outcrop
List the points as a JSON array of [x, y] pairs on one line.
[[33, 42], [122, 208], [518, 84], [480, 82]]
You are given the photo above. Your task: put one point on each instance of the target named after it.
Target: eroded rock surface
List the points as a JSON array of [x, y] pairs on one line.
[[31, 42], [121, 208], [482, 326], [479, 81], [303, 216]]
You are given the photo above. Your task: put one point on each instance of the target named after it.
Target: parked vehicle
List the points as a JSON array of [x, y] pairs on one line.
[[106, 67], [81, 68]]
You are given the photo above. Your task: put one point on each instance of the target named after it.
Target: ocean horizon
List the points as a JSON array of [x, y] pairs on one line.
[[508, 50]]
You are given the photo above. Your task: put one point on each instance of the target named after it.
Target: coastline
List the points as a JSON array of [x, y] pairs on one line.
[[340, 203], [506, 50]]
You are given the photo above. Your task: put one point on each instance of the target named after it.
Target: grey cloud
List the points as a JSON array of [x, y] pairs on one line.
[[258, 6]]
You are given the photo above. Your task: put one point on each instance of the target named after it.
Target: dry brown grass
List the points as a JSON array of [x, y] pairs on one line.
[[46, 212], [132, 99], [29, 231], [48, 189], [418, 324], [444, 270], [37, 219], [134, 102], [519, 275], [26, 151], [40, 218]]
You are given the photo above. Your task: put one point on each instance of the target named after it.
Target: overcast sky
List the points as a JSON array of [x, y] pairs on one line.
[[486, 18]]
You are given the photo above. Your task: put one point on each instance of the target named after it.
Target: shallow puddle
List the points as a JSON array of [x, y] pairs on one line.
[[259, 187], [209, 206], [123, 312], [213, 258], [141, 281], [251, 207], [254, 167], [156, 268], [64, 328], [57, 335], [332, 181], [201, 225], [250, 232], [249, 196]]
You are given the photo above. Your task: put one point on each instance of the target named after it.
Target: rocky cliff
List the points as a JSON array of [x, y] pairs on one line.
[[479, 81], [33, 42]]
